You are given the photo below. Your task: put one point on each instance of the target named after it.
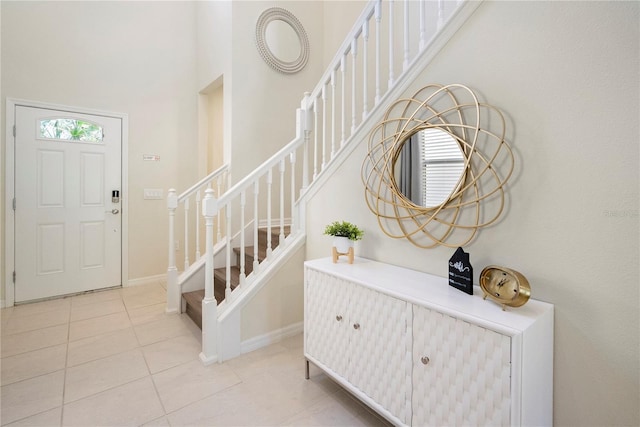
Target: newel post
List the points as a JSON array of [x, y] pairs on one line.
[[209, 303], [173, 290]]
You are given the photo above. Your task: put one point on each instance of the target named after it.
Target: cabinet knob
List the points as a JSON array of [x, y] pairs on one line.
[[356, 326], [424, 360], [338, 318]]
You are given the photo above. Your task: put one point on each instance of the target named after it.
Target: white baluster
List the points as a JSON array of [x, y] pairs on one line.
[[292, 160], [186, 233], [219, 217], [365, 69], [391, 43], [324, 126], [243, 243], [315, 138], [227, 290], [256, 193], [282, 168], [209, 303], [440, 13], [173, 290], [308, 119], [333, 113], [269, 184], [198, 213], [378, 15], [343, 74], [354, 55]]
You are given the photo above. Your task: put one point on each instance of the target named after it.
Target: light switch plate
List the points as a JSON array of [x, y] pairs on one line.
[[153, 194]]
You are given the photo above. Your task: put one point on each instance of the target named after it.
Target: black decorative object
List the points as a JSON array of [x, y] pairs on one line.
[[461, 271]]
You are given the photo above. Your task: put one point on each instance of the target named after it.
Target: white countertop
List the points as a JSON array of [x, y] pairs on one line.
[[434, 292]]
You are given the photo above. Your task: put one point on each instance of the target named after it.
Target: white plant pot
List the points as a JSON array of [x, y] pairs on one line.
[[342, 244]]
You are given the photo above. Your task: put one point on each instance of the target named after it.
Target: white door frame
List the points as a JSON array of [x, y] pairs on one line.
[[12, 103]]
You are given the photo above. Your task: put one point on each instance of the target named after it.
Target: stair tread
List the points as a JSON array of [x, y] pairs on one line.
[[194, 305], [194, 297]]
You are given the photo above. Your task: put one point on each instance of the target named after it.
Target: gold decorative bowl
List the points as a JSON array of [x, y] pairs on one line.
[[505, 286]]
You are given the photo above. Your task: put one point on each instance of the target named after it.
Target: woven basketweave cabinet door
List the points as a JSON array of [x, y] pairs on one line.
[[326, 323], [461, 372], [380, 350]]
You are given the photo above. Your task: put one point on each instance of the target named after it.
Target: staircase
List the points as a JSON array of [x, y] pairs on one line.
[[365, 76], [193, 299]]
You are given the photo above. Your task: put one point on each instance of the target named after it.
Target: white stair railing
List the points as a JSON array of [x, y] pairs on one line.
[[275, 190], [217, 181], [350, 92]]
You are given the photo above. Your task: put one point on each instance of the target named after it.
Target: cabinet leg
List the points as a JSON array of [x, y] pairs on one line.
[[306, 370]]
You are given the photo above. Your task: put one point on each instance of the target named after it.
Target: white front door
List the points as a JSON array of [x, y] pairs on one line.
[[68, 230]]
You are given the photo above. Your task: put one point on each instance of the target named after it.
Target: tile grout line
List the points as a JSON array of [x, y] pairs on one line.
[[155, 388], [237, 370], [66, 362], [66, 343]]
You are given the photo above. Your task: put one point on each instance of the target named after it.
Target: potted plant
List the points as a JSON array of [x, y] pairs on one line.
[[344, 235]]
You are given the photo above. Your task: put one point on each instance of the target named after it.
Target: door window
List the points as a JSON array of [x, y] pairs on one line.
[[70, 130]]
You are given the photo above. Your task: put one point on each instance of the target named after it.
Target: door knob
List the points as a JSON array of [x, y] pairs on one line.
[[113, 211]]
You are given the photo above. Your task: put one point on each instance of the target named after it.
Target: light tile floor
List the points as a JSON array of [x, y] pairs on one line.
[[114, 358]]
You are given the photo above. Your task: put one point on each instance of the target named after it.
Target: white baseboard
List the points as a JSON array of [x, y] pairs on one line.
[[206, 361], [270, 338], [148, 280]]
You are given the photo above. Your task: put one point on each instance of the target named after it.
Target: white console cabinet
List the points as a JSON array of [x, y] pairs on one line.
[[422, 353]]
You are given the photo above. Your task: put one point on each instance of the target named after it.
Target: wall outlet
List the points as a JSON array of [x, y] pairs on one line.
[[153, 194]]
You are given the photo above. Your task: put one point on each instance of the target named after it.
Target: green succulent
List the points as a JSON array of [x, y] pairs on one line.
[[344, 229]]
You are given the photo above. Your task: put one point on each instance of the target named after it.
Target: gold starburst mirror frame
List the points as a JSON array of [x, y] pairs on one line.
[[457, 157]]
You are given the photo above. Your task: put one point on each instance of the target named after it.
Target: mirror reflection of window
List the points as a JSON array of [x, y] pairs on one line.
[[282, 40], [443, 164], [431, 164]]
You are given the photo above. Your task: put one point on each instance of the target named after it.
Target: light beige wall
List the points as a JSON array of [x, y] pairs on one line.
[[213, 63], [214, 49], [136, 58], [279, 304], [566, 76], [339, 17], [2, 183], [264, 100], [215, 140]]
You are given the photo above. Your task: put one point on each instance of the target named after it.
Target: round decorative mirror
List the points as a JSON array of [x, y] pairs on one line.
[[282, 41], [437, 166], [430, 166]]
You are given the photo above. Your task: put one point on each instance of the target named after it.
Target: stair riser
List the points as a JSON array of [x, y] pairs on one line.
[[248, 262], [196, 316], [219, 287], [275, 237]]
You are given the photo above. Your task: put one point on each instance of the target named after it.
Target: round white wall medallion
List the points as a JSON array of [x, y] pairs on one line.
[[279, 43]]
